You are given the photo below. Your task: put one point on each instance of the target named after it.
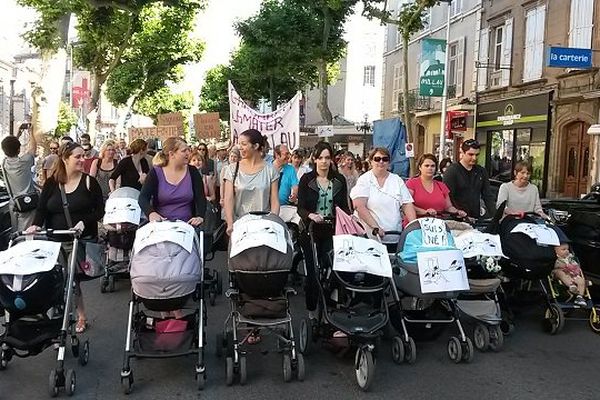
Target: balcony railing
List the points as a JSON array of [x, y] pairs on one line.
[[416, 102]]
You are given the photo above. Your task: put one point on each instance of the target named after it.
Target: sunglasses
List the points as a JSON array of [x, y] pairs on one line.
[[53, 148], [381, 159], [470, 144]]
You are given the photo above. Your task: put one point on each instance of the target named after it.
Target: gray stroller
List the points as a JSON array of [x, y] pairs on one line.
[[167, 313], [259, 264]]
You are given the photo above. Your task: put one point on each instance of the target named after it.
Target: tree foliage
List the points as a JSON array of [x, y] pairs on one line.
[[164, 101], [214, 96], [67, 119]]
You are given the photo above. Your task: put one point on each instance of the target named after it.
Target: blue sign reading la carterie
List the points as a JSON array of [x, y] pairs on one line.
[[569, 57]]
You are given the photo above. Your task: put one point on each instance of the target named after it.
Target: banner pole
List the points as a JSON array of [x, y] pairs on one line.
[[445, 90]]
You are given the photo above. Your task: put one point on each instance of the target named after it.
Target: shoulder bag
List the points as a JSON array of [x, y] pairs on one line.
[[22, 203]]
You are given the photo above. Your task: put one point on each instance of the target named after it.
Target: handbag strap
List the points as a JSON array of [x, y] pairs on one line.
[[65, 205]]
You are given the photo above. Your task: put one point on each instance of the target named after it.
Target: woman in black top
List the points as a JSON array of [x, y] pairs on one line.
[[319, 193], [84, 198], [133, 169]]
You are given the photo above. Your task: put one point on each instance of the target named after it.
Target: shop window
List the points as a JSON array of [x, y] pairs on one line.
[[501, 156], [523, 139], [580, 29], [533, 60], [537, 153]]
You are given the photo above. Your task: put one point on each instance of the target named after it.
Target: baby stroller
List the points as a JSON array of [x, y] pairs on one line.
[[430, 275], [36, 292], [121, 220], [481, 304], [529, 261], [352, 309], [166, 281], [259, 264]]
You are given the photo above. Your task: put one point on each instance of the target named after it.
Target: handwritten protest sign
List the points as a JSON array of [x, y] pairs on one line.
[[207, 125], [154, 132], [171, 119], [433, 232], [281, 126]]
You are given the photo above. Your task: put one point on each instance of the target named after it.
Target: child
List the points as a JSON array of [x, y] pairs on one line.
[[569, 272], [197, 161]]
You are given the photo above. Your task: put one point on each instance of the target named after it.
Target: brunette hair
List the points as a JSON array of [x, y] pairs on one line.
[[11, 146], [376, 150], [427, 156], [161, 159], [137, 146], [255, 137], [521, 165], [444, 163], [319, 148], [59, 170]]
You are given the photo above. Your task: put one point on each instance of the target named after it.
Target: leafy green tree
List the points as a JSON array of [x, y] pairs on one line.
[[213, 95], [409, 21], [67, 119], [165, 101]]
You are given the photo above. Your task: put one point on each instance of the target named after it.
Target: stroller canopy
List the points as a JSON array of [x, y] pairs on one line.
[[122, 207]]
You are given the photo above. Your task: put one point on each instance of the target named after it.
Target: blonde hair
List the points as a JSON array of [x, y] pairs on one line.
[[161, 159], [105, 145]]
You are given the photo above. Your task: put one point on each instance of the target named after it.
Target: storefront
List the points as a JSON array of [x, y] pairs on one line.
[[512, 130]]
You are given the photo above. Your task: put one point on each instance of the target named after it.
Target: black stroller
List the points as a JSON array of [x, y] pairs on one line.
[[259, 264], [121, 220], [167, 315], [39, 306], [352, 310]]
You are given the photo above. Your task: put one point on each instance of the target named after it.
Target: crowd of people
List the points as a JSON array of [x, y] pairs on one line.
[[179, 181]]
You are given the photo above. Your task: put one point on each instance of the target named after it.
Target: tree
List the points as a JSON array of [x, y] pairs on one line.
[[67, 119], [409, 22], [165, 101], [214, 93]]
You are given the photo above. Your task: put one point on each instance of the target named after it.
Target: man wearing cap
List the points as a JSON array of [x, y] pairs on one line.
[[469, 183]]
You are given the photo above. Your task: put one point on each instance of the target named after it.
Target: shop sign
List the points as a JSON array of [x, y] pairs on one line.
[[509, 116], [569, 57]]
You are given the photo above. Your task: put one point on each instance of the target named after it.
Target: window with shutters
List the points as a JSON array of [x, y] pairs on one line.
[[456, 61], [497, 47], [426, 20], [396, 86], [455, 7], [500, 50], [580, 29], [535, 28], [369, 75]]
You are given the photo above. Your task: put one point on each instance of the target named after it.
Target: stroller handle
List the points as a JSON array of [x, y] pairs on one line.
[[75, 232], [326, 221]]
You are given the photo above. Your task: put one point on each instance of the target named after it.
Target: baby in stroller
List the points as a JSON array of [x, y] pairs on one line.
[[568, 271]]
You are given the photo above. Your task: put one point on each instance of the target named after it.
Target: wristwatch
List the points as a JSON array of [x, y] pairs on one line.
[[375, 231]]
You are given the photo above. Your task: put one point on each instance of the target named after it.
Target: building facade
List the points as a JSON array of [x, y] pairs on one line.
[[528, 110], [464, 15]]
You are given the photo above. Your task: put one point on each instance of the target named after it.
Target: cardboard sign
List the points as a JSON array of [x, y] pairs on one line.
[[207, 125], [154, 132], [442, 271], [29, 257], [171, 119], [358, 254]]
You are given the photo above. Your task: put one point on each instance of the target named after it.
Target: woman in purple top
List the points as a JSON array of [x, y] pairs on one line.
[[173, 190]]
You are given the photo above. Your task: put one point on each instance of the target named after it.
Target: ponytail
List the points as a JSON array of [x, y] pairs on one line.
[[160, 159]]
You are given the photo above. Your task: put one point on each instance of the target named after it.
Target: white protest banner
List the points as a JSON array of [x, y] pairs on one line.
[[357, 254], [442, 271], [281, 126], [434, 233], [29, 257]]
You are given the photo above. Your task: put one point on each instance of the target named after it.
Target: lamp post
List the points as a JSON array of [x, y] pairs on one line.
[[11, 112], [445, 91], [365, 127]]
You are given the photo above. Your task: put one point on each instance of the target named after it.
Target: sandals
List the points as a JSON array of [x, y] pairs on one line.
[[254, 338], [81, 326]]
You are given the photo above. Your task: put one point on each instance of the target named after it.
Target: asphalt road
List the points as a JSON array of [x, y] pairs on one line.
[[532, 365]]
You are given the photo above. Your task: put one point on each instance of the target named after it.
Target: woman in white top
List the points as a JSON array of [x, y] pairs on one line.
[[520, 195], [381, 197], [251, 184]]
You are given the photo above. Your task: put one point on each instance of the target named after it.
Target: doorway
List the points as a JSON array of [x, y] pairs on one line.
[[577, 156]]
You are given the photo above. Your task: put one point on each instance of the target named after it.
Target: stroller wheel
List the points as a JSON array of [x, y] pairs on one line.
[[243, 371], [287, 368], [467, 350], [127, 382], [507, 327], [200, 380], [595, 319], [397, 350], [70, 382], [496, 338], [84, 354], [554, 319], [454, 349], [75, 346], [300, 368], [53, 383], [365, 368], [229, 371], [481, 337], [410, 351], [306, 336]]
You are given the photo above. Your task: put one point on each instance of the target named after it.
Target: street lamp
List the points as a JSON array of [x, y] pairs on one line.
[[365, 127], [445, 91]]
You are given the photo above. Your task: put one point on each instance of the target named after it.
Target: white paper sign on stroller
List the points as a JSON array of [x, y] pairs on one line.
[[442, 271], [253, 231], [29, 257], [542, 234], [358, 254], [177, 232], [474, 243], [122, 210]]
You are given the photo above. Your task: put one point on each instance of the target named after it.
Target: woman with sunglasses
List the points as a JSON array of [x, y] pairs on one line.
[[84, 203], [380, 197], [430, 196]]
